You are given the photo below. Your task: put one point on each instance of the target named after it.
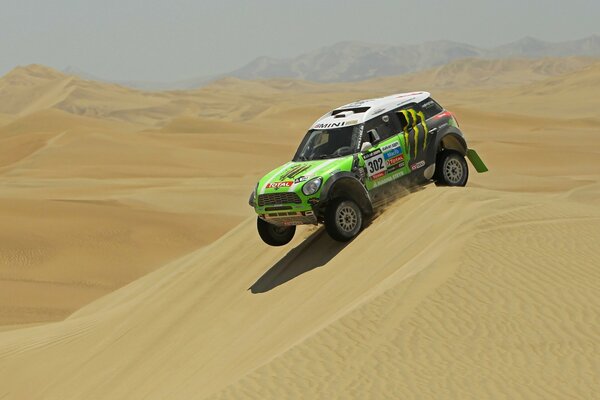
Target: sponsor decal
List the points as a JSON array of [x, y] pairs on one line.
[[330, 125], [372, 154], [277, 185], [387, 179], [418, 165], [390, 146], [294, 171], [378, 175], [391, 154], [396, 160], [352, 122], [416, 125], [395, 167]]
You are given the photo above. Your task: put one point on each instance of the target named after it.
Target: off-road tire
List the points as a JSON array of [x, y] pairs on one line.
[[451, 169], [274, 235], [343, 219]]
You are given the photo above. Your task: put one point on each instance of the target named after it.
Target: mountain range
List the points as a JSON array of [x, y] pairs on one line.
[[354, 61]]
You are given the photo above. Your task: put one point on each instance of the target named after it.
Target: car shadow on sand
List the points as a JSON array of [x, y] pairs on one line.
[[314, 252], [317, 250]]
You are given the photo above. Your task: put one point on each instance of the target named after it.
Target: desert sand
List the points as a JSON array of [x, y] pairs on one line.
[[130, 267]]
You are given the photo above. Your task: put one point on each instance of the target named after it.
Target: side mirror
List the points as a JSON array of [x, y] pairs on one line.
[[365, 146]]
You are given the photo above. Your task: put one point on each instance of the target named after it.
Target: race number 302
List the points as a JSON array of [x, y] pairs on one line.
[[375, 163]]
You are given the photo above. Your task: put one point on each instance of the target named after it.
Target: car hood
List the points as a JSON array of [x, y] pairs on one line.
[[292, 175]]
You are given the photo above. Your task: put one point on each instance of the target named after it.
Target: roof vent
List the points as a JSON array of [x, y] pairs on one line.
[[348, 111], [342, 114]]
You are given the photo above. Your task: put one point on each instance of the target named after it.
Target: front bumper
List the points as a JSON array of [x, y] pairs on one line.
[[287, 218], [285, 208]]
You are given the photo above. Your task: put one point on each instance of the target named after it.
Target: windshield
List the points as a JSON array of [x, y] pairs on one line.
[[329, 143]]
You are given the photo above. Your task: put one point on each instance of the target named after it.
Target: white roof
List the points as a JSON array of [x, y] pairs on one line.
[[376, 107]]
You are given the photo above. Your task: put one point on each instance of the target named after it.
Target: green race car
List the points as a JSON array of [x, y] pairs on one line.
[[354, 158]]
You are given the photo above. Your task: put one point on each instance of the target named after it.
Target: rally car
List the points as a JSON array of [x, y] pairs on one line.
[[353, 157]]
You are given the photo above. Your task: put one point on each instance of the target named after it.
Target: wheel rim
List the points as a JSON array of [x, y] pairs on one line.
[[347, 218], [453, 170], [279, 231]]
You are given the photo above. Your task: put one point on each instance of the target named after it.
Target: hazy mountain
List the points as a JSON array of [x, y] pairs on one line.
[[143, 85], [529, 47], [351, 61], [354, 61]]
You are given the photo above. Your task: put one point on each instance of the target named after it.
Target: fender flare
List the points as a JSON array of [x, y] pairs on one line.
[[453, 139], [346, 183], [448, 137]]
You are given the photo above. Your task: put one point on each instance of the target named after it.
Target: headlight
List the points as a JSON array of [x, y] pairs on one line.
[[311, 187]]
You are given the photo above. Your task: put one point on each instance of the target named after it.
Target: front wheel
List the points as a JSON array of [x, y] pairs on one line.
[[274, 235], [343, 219], [451, 169]]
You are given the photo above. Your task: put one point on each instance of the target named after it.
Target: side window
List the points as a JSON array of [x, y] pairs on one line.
[[383, 125], [430, 107]]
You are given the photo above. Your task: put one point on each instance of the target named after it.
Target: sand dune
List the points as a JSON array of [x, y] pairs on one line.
[[130, 266], [482, 302]]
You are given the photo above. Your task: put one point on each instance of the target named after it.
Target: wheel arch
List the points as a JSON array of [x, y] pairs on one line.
[[452, 140], [345, 184]]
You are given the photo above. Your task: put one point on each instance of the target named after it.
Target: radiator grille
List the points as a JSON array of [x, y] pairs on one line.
[[272, 199]]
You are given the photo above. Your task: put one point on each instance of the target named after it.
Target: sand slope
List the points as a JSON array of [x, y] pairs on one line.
[[485, 298], [122, 223]]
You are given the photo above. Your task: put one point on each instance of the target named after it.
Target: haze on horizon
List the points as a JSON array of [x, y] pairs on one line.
[[157, 41]]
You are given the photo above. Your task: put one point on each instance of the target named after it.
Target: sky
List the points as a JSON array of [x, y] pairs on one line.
[[168, 41]]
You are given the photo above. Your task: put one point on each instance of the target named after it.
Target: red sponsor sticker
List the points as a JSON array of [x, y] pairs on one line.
[[277, 185], [378, 175], [395, 160]]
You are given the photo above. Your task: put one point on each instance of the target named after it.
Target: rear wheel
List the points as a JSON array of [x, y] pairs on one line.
[[274, 235], [343, 219], [451, 169]]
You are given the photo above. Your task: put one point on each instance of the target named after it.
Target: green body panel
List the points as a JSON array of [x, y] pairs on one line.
[[291, 176], [390, 159]]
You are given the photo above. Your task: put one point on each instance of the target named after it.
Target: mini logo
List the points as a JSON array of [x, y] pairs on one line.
[[301, 179], [277, 185], [418, 165], [330, 125]]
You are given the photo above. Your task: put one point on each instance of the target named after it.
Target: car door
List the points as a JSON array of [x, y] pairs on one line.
[[384, 162]]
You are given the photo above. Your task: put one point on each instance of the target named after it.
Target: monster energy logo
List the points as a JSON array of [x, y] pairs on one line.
[[294, 171], [413, 119]]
